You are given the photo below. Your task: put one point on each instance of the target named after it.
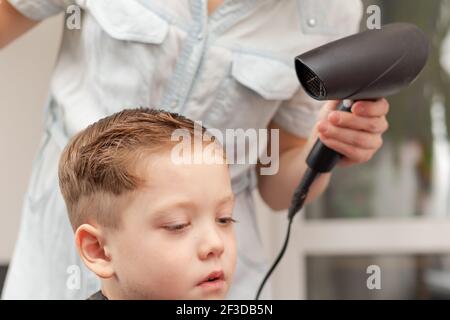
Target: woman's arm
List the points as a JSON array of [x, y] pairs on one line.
[[276, 190], [355, 135], [12, 23]]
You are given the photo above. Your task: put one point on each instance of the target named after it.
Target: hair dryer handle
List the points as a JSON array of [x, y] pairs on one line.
[[321, 158]]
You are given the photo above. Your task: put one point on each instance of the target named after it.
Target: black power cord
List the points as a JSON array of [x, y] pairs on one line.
[[298, 200]]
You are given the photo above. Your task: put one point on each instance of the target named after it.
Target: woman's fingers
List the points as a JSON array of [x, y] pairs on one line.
[[352, 153], [377, 108], [357, 135], [349, 120], [356, 138]]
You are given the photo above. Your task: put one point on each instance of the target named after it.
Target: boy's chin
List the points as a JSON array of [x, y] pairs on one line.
[[213, 296]]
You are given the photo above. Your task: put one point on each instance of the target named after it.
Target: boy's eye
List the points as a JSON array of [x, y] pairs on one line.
[[177, 227], [226, 221]]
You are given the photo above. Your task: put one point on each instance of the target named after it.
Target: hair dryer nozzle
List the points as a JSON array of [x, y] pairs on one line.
[[366, 65]]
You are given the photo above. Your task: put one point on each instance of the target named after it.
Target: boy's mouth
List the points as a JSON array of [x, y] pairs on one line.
[[213, 277]]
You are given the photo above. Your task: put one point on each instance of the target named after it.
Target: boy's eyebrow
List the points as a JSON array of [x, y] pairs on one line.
[[183, 204], [186, 204], [229, 198]]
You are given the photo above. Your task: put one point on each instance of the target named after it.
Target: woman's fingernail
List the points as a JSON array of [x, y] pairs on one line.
[[322, 127], [361, 110], [333, 117]]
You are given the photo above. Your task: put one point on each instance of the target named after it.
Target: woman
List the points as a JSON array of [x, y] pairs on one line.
[[226, 63]]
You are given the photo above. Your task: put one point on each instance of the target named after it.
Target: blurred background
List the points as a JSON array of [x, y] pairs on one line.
[[392, 213]]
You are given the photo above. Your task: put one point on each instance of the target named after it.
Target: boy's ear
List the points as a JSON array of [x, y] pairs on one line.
[[90, 244]]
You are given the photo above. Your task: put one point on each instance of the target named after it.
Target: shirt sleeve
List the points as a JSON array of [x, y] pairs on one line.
[[40, 9], [299, 114]]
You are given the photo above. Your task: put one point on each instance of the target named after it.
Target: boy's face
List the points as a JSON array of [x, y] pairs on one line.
[[175, 233]]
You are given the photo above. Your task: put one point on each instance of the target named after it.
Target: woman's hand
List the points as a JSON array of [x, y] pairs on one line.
[[356, 135]]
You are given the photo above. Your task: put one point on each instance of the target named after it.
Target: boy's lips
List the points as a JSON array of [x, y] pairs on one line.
[[215, 280]]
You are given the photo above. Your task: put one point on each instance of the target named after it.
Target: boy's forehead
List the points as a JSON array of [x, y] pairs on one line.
[[159, 171], [168, 161]]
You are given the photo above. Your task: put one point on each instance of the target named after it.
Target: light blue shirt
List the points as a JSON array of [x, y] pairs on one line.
[[232, 69]]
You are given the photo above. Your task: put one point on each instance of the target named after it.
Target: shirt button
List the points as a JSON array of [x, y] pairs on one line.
[[174, 104], [200, 36], [312, 22]]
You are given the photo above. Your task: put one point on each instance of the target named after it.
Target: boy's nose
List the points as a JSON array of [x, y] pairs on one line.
[[211, 244]]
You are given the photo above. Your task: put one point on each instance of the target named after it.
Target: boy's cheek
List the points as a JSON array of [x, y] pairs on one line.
[[233, 254]]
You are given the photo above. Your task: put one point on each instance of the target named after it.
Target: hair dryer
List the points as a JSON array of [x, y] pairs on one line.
[[364, 66]]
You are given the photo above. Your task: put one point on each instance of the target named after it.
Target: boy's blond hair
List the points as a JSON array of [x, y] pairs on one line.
[[99, 163]]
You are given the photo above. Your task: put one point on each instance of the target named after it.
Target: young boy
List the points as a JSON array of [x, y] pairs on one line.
[[148, 226]]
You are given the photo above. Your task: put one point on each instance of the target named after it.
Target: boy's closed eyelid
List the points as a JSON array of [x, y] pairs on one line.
[[177, 227], [170, 223], [228, 219]]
